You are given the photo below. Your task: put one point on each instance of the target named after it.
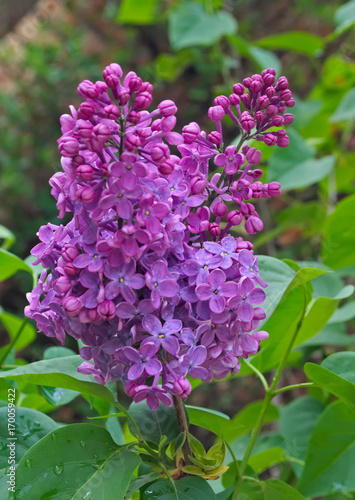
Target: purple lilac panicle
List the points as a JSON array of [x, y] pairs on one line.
[[145, 274]]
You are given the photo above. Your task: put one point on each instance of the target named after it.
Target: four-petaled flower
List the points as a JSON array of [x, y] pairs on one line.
[[216, 289]]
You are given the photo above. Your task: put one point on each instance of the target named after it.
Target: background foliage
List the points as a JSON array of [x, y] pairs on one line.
[[192, 51]]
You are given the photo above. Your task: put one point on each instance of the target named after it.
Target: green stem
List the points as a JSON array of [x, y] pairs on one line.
[[13, 341], [293, 386], [259, 374], [270, 393], [181, 417]]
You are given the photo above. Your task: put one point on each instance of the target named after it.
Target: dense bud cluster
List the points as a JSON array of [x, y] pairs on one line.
[[145, 274]]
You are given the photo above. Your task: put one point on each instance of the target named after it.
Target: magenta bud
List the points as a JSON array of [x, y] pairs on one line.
[[259, 116], [78, 160], [135, 84], [167, 108], [219, 208], [101, 87], [290, 103], [70, 269], [105, 169], [93, 315], [247, 82], [271, 110], [253, 156], [143, 100], [167, 168], [102, 131], [273, 188], [234, 99], [62, 284], [234, 218], [123, 96], [190, 132], [286, 95], [85, 194], [71, 305], [112, 81], [69, 253], [282, 83], [111, 112], [277, 121], [88, 90], [269, 79], [255, 86], [132, 142], [107, 309], [257, 189], [156, 125], [223, 101], [112, 69], [263, 101], [283, 142], [253, 224], [85, 172], [288, 118], [270, 139], [68, 147], [86, 111], [216, 113], [247, 209], [245, 148], [256, 174], [214, 229], [215, 137], [198, 185], [270, 92], [84, 128], [245, 98], [182, 387], [247, 121], [146, 87], [134, 117], [160, 153], [238, 89]]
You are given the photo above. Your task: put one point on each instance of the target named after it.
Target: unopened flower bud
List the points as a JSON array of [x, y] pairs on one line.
[[84, 128], [238, 89], [85, 172], [255, 86], [198, 185], [215, 137], [85, 194], [277, 121], [143, 100], [146, 87], [247, 121], [62, 284], [270, 92], [271, 110], [190, 132], [160, 153], [134, 117], [88, 90], [263, 101], [69, 253], [290, 103], [253, 156], [253, 224], [234, 99], [234, 217], [107, 309], [182, 387], [131, 142], [167, 108], [245, 98], [282, 83], [68, 147], [123, 96], [214, 229], [216, 113], [259, 116], [270, 139], [77, 160], [288, 118], [247, 82], [223, 101], [86, 111], [219, 208], [71, 305], [135, 84], [111, 112]]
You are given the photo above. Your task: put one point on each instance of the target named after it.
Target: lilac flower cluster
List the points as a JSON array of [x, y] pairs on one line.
[[145, 274]]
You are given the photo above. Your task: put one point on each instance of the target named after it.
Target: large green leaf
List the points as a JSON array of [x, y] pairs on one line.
[[263, 58], [187, 488], [336, 375], [297, 41], [346, 108], [75, 461], [191, 25], [271, 489], [10, 264], [154, 424], [7, 236], [330, 453], [345, 313], [245, 420], [59, 372], [286, 159], [13, 324], [30, 427], [297, 420], [58, 396], [331, 334], [137, 11], [344, 18], [339, 237], [306, 173]]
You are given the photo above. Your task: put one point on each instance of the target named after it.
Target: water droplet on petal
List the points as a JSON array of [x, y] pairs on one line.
[[58, 469], [28, 463]]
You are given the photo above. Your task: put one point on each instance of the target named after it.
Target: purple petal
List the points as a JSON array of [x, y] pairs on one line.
[[257, 296], [149, 349], [199, 355], [159, 270], [125, 310], [160, 210], [191, 267], [151, 324], [213, 247], [82, 260], [129, 180], [246, 258], [172, 326], [217, 303], [171, 344], [135, 371], [145, 306], [249, 344], [153, 367], [112, 290], [204, 292], [245, 311], [168, 288], [131, 354], [127, 293], [136, 281], [124, 208], [153, 225], [229, 289], [216, 278], [246, 286], [220, 160]]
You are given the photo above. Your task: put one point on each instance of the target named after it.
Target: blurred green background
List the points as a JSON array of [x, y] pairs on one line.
[[191, 51]]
